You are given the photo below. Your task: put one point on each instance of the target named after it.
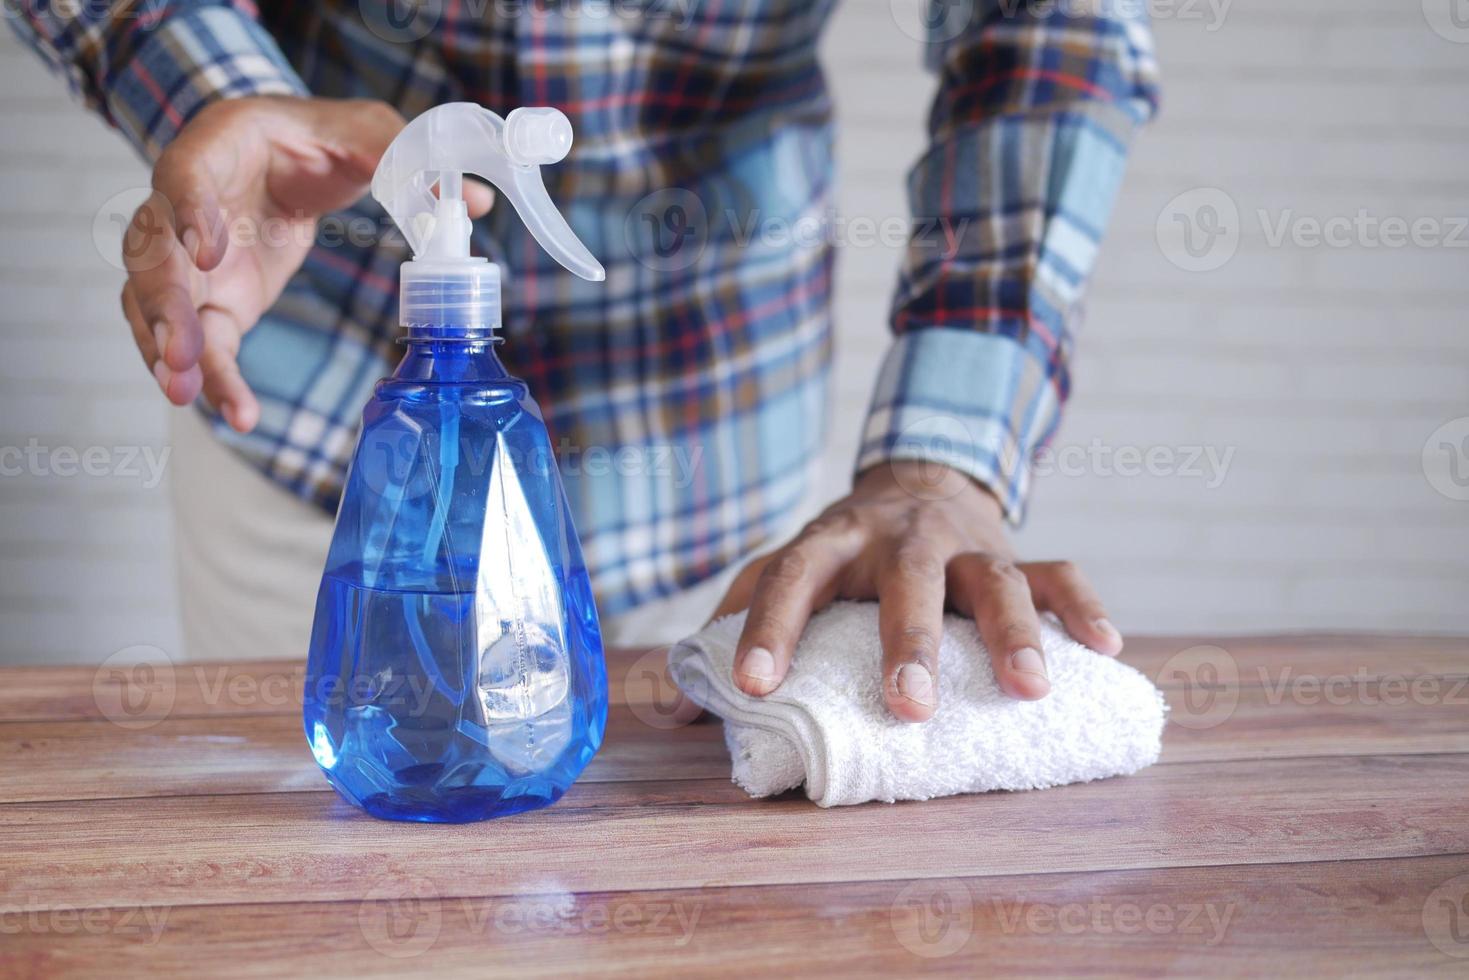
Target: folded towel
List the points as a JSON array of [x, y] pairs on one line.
[[827, 726]]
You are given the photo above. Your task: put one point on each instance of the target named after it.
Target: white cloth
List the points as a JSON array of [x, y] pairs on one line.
[[826, 726]]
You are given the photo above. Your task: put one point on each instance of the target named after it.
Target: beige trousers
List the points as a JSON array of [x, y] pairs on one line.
[[250, 557]]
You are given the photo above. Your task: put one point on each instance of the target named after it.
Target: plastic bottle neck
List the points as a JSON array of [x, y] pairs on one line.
[[451, 360], [425, 333]]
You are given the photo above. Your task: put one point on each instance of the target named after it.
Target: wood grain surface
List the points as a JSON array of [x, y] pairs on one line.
[[1310, 814]]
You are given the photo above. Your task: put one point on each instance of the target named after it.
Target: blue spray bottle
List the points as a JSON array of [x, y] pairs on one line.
[[456, 667]]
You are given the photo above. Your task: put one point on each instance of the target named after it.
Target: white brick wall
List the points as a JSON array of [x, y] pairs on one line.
[[86, 563], [1323, 370]]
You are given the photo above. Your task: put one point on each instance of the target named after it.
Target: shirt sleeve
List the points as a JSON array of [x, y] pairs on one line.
[[148, 66], [1028, 138]]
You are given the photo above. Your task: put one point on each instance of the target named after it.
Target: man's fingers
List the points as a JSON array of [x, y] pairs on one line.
[[795, 581], [223, 385], [996, 594], [910, 616], [179, 387], [792, 584], [142, 335], [1060, 587], [166, 285]]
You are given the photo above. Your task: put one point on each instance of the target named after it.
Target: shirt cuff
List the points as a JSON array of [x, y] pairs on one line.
[[187, 61], [980, 403]]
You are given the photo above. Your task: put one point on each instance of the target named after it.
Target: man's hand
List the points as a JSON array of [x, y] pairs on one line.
[[916, 537], [236, 197]]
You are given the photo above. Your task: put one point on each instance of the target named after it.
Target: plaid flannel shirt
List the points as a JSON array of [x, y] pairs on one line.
[[686, 394]]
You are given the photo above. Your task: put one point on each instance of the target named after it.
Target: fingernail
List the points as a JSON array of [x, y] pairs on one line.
[[758, 663], [1105, 627], [1028, 661], [916, 684], [160, 337], [162, 374]]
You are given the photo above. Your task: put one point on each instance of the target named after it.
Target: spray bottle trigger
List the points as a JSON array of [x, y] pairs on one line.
[[461, 138]]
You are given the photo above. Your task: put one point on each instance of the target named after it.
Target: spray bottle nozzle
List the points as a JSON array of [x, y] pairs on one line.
[[444, 285], [535, 136]]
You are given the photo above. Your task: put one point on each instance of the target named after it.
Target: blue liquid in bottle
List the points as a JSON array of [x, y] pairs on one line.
[[455, 670]]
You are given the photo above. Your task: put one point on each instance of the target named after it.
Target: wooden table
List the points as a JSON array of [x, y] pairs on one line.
[[1311, 813]]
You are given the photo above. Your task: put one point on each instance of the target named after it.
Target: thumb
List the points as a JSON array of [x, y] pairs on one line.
[[319, 154], [355, 132]]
